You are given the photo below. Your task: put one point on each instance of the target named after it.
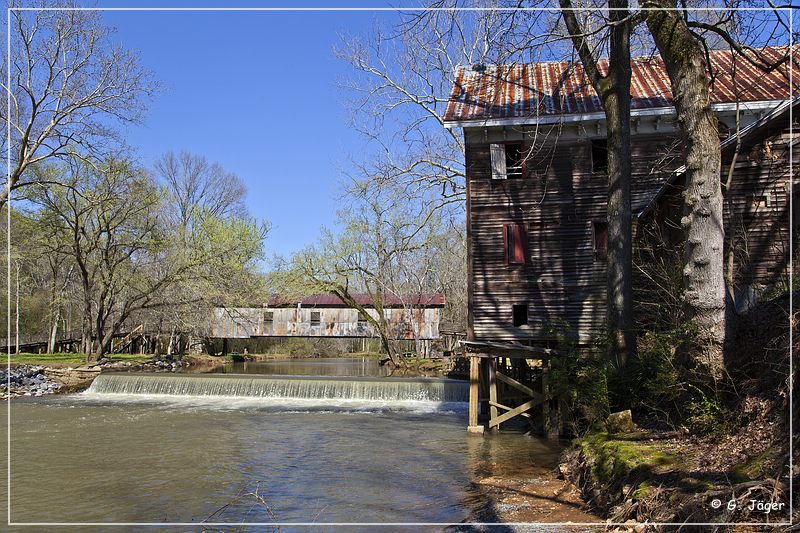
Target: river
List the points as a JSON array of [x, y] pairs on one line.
[[265, 446]]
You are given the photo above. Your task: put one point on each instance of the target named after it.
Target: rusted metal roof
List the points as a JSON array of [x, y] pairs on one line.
[[551, 89], [389, 300]]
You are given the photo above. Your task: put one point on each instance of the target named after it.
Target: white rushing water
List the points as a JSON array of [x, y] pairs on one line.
[[283, 392]]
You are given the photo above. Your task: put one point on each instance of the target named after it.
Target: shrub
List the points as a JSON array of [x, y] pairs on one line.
[[578, 380]]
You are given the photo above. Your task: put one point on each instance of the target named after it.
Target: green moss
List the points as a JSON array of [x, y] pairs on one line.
[[749, 469], [642, 490], [613, 459]]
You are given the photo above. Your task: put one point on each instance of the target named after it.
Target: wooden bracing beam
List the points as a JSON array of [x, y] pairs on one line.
[[521, 410]]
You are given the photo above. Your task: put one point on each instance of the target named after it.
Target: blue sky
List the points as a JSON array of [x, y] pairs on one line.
[[258, 92]]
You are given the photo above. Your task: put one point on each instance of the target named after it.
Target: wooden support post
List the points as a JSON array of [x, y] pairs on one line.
[[492, 363], [550, 420], [484, 390], [474, 390], [224, 347]]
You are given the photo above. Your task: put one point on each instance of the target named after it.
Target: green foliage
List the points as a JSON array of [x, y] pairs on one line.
[[70, 358], [293, 346], [702, 414], [649, 382], [578, 379], [653, 384]]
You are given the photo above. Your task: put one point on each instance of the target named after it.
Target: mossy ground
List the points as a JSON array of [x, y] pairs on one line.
[[69, 358], [617, 456]]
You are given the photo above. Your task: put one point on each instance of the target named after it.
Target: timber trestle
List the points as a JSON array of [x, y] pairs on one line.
[[497, 393]]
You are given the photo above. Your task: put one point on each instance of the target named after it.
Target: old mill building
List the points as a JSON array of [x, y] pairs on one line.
[[536, 165]]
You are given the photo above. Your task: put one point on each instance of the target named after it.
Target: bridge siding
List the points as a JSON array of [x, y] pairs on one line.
[[246, 322]]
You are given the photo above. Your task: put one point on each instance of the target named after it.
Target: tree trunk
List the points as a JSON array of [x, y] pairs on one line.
[[51, 341], [617, 105], [16, 308], [171, 345], [703, 274], [86, 331], [383, 331], [614, 91]]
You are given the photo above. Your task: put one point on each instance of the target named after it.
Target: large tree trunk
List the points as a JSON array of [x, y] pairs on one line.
[[703, 274], [614, 91], [617, 105], [383, 332]]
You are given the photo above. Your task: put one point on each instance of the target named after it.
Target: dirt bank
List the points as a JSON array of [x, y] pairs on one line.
[[736, 472]]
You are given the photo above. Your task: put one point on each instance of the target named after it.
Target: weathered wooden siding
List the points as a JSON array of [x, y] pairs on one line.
[[558, 200], [242, 323], [759, 203], [560, 197]]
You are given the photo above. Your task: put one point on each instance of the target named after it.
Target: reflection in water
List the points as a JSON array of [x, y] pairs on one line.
[[357, 366], [159, 458]]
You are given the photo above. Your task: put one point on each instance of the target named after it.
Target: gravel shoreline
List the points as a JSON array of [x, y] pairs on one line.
[[39, 380], [27, 380]]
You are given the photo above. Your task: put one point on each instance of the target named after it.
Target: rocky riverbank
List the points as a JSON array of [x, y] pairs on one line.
[[39, 380], [27, 380]]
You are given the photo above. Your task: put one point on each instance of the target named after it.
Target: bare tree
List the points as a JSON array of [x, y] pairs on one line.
[[614, 88], [400, 91], [69, 86], [683, 43], [196, 186], [129, 259]]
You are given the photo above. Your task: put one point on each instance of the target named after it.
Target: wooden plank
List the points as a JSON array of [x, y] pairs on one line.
[[519, 386], [483, 407], [514, 412], [470, 276], [474, 388], [492, 371], [498, 160], [507, 408]]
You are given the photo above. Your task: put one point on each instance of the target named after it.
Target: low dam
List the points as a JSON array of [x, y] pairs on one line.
[[284, 387]]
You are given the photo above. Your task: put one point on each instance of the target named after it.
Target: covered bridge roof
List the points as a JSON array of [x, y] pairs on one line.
[[532, 92]]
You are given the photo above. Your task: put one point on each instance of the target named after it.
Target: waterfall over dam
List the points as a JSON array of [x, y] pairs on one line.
[[284, 387]]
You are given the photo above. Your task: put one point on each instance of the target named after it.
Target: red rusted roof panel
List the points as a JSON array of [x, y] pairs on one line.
[[389, 300], [561, 87]]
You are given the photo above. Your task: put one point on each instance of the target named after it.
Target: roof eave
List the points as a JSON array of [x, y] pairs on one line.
[[600, 115]]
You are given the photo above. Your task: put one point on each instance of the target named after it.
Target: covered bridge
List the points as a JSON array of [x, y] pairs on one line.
[[414, 317]]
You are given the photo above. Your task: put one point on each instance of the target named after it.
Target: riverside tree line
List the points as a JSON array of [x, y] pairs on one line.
[[100, 242]]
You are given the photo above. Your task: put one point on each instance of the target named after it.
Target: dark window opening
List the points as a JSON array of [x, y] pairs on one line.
[[520, 315], [514, 160], [315, 318], [268, 317], [600, 240], [599, 155], [515, 238], [759, 202]]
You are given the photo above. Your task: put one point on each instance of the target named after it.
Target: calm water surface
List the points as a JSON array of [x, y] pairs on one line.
[[101, 457]]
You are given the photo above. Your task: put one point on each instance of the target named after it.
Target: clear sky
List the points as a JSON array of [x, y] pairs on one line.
[[258, 92]]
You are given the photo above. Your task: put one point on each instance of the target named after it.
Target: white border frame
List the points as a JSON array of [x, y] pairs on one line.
[[376, 524]]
